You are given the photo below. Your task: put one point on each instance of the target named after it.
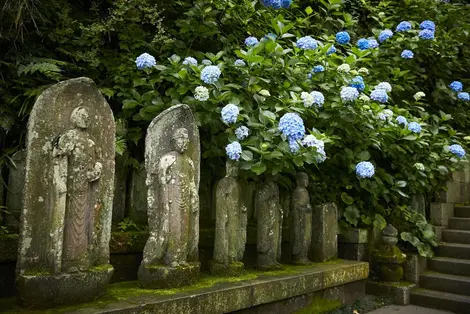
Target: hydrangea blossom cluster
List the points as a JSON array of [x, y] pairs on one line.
[[403, 26], [145, 61], [427, 24], [307, 43], [426, 34], [457, 150], [414, 127], [365, 169], [384, 35], [312, 141], [242, 132], [277, 4], [251, 41], [292, 126], [363, 71], [402, 120], [386, 114], [364, 98], [234, 150], [294, 147], [349, 94], [206, 62], [407, 54], [307, 99], [239, 63], [318, 98], [379, 95], [331, 50], [201, 93], [318, 69], [463, 96], [358, 82], [230, 114], [385, 86], [373, 43], [363, 44], [343, 38], [210, 74], [190, 61], [344, 68], [456, 86]]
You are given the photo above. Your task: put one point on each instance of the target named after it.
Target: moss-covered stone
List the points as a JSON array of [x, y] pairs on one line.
[[162, 276], [231, 270], [320, 306]]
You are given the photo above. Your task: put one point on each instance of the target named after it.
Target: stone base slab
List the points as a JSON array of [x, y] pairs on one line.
[[44, 291], [231, 270], [399, 291], [155, 277]]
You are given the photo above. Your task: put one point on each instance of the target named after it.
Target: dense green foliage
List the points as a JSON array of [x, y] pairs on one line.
[[45, 42]]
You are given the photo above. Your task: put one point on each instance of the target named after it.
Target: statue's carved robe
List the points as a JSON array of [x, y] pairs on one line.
[[301, 224], [76, 166]]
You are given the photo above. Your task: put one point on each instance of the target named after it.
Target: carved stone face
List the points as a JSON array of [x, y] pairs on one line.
[[302, 179], [80, 118], [181, 140]]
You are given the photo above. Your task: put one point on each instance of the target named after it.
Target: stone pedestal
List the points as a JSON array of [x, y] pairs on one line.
[[440, 213], [400, 292], [353, 244], [159, 276], [414, 266], [324, 244], [45, 291], [233, 269]]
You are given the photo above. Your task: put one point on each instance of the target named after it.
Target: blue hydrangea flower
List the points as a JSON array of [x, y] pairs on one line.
[[286, 3], [457, 150], [463, 96], [426, 34], [210, 74], [242, 132], [429, 25], [379, 95], [402, 120], [251, 41], [318, 68], [190, 61], [414, 127], [349, 94], [385, 86], [407, 54], [145, 61], [294, 146], [331, 51], [365, 169], [384, 35], [275, 4], [363, 44], [307, 43], [342, 38], [206, 62], [230, 113], [234, 150], [318, 98], [386, 114], [373, 43], [292, 126], [403, 26], [239, 63], [358, 82], [312, 141], [456, 86]]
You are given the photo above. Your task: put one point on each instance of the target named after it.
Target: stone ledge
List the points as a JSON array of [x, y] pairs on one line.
[[225, 295], [399, 291]]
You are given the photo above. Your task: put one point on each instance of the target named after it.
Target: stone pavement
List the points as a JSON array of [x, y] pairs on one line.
[[409, 309]]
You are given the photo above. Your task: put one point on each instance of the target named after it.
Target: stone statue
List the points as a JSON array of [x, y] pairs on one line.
[[388, 259], [301, 221], [172, 161], [230, 230], [269, 216], [65, 224]]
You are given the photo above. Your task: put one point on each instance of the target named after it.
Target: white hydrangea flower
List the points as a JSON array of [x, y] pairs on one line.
[[307, 98], [344, 68], [419, 95], [201, 93], [364, 98], [363, 71], [385, 86]]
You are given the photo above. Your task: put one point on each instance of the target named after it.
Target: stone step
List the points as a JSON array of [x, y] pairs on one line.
[[445, 282], [454, 250], [462, 211], [448, 265], [456, 236], [458, 223], [441, 300]]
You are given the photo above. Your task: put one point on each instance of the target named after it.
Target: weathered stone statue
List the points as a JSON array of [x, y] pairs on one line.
[[230, 225], [301, 221], [172, 159], [388, 258], [66, 219], [269, 216]]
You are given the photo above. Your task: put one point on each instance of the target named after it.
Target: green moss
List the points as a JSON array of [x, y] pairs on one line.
[[292, 269], [320, 306], [6, 237], [101, 268]]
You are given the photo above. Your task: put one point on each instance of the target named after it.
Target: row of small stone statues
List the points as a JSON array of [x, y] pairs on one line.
[[65, 223]]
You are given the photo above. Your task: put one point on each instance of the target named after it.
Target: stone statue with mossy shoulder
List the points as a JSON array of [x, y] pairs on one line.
[[230, 225], [172, 159], [388, 258], [65, 224]]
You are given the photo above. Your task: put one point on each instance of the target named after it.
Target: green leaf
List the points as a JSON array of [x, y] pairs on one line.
[[401, 184], [247, 155], [363, 156], [129, 104], [346, 198], [410, 137], [351, 213], [258, 168], [309, 10]]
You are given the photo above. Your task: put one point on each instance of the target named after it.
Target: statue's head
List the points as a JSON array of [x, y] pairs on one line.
[[80, 118], [181, 140], [302, 179]]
